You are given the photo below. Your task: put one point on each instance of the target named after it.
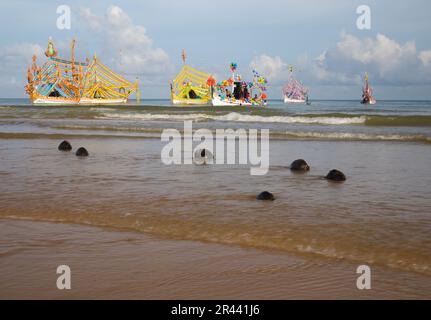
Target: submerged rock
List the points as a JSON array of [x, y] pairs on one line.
[[82, 152], [265, 196], [203, 156], [299, 165], [65, 146], [335, 175]]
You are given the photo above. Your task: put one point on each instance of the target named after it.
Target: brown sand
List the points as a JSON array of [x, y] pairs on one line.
[[109, 264]]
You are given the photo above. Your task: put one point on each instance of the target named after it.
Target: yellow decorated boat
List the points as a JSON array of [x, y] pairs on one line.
[[102, 86], [191, 86]]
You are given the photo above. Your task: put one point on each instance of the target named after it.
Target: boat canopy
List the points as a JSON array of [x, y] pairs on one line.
[[101, 83], [294, 89], [58, 78], [73, 80], [191, 84]]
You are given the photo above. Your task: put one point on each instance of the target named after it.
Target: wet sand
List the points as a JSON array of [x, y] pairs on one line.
[[107, 264]]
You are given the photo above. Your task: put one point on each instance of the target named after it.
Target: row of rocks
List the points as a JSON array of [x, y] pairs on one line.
[[66, 146], [301, 165]]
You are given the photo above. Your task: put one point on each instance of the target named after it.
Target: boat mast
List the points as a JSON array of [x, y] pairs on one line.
[[233, 67], [184, 56], [366, 88]]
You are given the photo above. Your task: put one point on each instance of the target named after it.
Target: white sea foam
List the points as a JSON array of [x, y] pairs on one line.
[[154, 117], [356, 136], [235, 117]]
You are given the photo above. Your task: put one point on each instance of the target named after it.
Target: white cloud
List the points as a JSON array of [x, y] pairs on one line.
[[271, 67], [93, 21], [387, 61], [425, 57], [18, 54], [131, 49], [14, 61]]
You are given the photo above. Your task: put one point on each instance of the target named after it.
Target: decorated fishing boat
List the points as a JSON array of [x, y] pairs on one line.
[[60, 81], [236, 92], [191, 86], [367, 92], [294, 91]]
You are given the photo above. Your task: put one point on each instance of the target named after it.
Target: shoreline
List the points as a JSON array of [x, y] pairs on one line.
[[108, 264]]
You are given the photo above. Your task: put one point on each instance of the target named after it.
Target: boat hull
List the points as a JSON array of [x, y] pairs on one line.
[[192, 102], [102, 101], [54, 101], [83, 101], [289, 100], [218, 102], [370, 102]]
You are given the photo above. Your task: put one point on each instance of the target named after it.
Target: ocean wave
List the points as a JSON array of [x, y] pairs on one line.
[[236, 117], [316, 119], [352, 136], [60, 136], [154, 117], [233, 116]]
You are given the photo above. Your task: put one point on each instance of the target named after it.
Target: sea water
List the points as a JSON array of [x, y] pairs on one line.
[[380, 216]]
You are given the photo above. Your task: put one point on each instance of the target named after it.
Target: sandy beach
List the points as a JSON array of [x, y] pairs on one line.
[[108, 264]]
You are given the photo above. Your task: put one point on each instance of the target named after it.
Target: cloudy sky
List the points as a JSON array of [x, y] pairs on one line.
[[144, 39]]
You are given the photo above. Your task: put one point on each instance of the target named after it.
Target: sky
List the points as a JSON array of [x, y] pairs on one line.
[[144, 40]]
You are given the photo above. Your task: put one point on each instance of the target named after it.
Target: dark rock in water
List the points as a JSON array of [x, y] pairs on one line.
[[336, 175], [82, 152], [299, 165], [203, 156], [65, 146], [265, 196]]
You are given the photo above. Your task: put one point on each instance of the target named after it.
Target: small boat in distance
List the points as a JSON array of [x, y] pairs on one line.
[[294, 91], [191, 86], [236, 92], [367, 93], [60, 81]]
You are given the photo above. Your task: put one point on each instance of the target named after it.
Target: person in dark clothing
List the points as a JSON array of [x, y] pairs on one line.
[[228, 94], [246, 93], [192, 94]]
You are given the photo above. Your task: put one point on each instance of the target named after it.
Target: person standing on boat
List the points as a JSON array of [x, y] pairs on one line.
[[228, 94], [246, 94]]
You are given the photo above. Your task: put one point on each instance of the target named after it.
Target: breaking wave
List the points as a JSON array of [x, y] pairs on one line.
[[318, 119], [236, 117], [353, 136]]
